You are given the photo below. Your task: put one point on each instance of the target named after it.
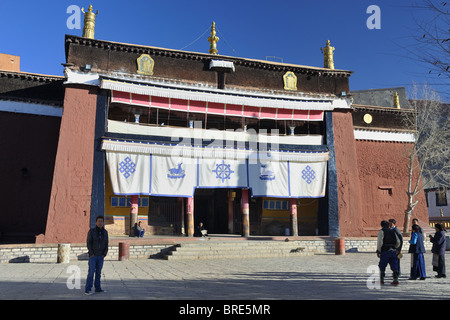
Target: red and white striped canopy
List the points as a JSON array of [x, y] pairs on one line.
[[216, 108]]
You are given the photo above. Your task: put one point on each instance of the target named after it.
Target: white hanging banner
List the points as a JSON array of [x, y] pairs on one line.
[[307, 180], [222, 173], [129, 173], [173, 176], [269, 179]]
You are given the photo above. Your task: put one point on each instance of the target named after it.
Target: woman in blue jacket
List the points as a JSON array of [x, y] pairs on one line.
[[438, 250], [417, 248]]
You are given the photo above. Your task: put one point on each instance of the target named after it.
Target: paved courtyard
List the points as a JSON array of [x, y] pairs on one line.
[[323, 276]]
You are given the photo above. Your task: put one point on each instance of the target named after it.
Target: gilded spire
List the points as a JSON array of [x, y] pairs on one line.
[[89, 23], [213, 39], [328, 61], [396, 100]]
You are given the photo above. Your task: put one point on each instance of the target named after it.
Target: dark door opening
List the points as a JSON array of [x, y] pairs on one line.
[[211, 208]]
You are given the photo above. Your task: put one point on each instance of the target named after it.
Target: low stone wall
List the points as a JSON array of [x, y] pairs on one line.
[[23, 253], [48, 253]]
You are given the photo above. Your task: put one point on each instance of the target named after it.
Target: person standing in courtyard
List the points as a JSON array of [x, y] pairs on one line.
[[392, 225], [417, 249], [438, 250], [97, 244], [415, 221], [387, 244]]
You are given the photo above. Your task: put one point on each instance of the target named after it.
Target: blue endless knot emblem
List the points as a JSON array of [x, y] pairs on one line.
[[127, 167], [308, 174], [223, 171]]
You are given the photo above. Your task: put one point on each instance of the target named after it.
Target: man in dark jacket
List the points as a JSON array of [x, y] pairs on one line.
[[97, 244], [392, 225], [387, 245], [438, 250]]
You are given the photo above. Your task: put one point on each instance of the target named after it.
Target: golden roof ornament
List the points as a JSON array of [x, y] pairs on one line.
[[213, 39], [328, 61], [89, 23], [396, 100]]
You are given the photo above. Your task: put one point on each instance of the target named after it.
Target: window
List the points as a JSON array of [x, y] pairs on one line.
[[385, 190], [276, 204], [441, 197], [126, 202]]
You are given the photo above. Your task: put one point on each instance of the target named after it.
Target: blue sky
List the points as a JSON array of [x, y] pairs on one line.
[[292, 30]]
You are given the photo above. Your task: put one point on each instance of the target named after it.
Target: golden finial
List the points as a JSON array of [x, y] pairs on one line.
[[328, 61], [396, 100], [213, 40], [89, 23]]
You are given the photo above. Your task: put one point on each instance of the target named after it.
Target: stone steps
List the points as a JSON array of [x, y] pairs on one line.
[[236, 250]]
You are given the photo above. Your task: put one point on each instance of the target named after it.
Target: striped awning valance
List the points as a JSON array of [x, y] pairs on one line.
[[216, 108]]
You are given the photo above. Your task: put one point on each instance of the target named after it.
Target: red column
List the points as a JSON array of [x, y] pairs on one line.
[[294, 224], [245, 213], [231, 196], [190, 216], [133, 213]]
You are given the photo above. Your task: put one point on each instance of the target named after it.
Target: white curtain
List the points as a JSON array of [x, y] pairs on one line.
[[173, 176], [269, 178], [129, 173], [178, 176], [222, 173]]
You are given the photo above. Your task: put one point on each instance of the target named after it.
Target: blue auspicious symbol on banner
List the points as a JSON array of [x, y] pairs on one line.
[[265, 173], [127, 167], [223, 171], [176, 173], [308, 174]]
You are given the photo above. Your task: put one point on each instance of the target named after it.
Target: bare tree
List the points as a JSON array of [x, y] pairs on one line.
[[429, 154], [432, 39]]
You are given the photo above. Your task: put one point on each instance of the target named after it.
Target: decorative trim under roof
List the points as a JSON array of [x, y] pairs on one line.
[[27, 107], [30, 76], [376, 135], [204, 93], [116, 145], [263, 64]]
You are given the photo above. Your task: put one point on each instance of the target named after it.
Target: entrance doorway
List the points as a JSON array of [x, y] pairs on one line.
[[211, 208]]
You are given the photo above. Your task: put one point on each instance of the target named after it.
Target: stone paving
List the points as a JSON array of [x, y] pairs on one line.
[[322, 276]]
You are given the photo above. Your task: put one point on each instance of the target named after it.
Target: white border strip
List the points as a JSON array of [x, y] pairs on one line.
[[222, 98], [383, 136], [211, 152], [212, 134], [30, 108]]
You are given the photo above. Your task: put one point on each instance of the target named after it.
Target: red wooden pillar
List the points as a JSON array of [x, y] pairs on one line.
[[294, 224], [245, 213], [190, 216], [133, 213], [231, 196]]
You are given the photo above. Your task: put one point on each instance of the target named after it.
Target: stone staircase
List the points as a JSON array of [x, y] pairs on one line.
[[236, 249]]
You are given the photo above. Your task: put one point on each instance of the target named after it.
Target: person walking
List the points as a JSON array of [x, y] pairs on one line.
[[438, 250], [392, 225], [97, 244], [417, 249], [387, 244]]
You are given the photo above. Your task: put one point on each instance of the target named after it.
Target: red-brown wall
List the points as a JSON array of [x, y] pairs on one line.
[[28, 148], [372, 181], [348, 184], [69, 210], [382, 167]]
